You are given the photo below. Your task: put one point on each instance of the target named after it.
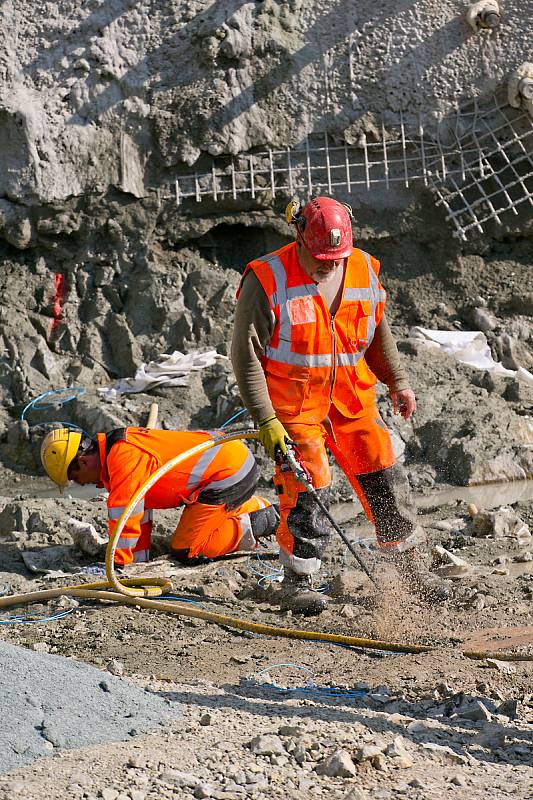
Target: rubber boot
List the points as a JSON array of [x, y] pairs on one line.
[[297, 595], [264, 522], [419, 579]]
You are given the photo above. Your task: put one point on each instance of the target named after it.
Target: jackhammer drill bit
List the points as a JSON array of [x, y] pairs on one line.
[[302, 475]]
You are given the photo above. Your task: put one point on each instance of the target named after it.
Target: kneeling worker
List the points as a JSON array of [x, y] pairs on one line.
[[222, 514]]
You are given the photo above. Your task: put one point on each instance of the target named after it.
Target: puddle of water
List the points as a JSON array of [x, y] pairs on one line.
[[490, 495], [41, 488], [487, 496], [520, 568]]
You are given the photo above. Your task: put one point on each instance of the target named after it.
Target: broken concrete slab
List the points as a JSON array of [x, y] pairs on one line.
[[500, 523], [453, 566]]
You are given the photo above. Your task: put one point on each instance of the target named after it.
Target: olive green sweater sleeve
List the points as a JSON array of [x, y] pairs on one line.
[[384, 360], [254, 325]]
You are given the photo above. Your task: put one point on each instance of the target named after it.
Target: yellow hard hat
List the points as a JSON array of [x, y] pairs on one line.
[[58, 449]]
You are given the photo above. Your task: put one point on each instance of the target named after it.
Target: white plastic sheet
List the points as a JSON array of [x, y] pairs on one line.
[[468, 347], [170, 370]]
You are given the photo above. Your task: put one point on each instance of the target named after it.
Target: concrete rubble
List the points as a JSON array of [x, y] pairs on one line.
[[86, 538], [453, 566]]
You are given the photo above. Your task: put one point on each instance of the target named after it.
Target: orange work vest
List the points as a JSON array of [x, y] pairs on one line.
[[220, 467], [314, 359]]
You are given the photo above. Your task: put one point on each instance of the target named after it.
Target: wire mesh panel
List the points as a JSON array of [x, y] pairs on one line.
[[488, 169], [479, 165], [318, 164]]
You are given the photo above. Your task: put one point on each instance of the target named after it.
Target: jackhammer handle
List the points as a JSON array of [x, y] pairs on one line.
[[151, 422]]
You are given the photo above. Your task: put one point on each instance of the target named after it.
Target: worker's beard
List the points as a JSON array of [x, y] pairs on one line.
[[325, 275]]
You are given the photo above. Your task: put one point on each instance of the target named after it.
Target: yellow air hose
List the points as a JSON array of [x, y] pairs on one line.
[[141, 591]]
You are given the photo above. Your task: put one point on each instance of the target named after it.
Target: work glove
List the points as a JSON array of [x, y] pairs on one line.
[[273, 436]]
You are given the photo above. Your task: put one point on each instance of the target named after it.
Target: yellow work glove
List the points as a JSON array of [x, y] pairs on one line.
[[272, 436]]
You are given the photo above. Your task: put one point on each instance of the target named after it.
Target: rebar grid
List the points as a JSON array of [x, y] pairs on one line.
[[495, 152], [479, 165]]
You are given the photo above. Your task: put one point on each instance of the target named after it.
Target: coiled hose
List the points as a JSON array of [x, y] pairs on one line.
[[143, 591]]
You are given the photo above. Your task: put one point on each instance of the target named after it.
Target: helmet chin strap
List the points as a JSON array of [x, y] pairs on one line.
[[300, 238]]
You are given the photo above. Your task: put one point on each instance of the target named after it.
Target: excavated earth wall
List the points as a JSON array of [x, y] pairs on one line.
[[104, 102]]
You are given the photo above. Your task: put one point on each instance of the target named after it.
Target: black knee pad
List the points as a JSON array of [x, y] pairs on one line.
[[308, 518], [264, 521]]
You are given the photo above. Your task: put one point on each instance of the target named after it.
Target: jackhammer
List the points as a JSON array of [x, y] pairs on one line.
[[302, 474]]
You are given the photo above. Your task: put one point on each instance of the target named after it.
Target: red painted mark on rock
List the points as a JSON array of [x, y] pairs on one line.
[[57, 302]]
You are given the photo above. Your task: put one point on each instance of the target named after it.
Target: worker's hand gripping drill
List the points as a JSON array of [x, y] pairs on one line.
[[301, 473], [273, 436]]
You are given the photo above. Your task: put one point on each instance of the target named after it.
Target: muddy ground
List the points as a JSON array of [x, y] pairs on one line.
[[230, 696], [156, 290]]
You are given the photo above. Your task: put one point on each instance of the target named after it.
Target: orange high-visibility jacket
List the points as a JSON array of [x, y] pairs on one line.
[[313, 358], [129, 456]]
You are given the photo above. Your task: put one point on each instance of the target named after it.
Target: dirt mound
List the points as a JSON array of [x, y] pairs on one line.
[[53, 703]]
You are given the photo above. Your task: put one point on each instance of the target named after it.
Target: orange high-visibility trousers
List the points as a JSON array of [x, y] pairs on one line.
[[363, 449], [214, 531]]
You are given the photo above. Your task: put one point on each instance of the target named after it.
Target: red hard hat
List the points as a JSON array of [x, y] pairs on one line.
[[327, 231]]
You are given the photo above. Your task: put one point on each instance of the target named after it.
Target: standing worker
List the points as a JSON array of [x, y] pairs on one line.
[[310, 341], [222, 515]]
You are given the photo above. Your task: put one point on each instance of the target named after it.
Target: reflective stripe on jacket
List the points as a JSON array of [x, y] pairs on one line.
[[314, 359], [136, 453]]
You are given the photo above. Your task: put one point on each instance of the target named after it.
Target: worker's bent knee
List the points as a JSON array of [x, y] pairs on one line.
[[183, 557]]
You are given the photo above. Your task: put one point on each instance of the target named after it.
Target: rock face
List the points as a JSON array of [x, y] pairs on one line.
[[108, 94], [103, 104]]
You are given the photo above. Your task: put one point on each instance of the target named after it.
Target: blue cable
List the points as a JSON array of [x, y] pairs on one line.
[[94, 569], [275, 574], [182, 600], [266, 563], [238, 414], [37, 404], [29, 619], [362, 543], [63, 425], [269, 567], [75, 391], [287, 664]]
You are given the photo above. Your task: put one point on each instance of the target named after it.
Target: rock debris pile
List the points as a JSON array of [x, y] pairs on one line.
[[450, 743], [65, 705]]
